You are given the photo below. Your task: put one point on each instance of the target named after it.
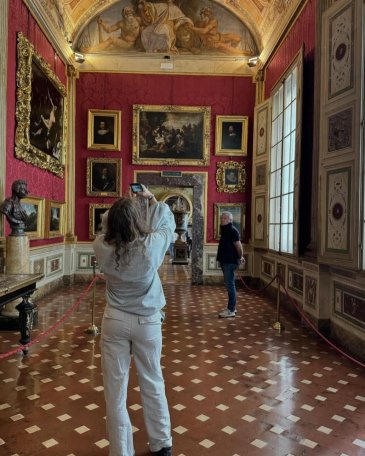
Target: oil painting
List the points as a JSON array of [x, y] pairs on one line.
[[41, 115], [173, 27], [171, 135], [103, 132], [238, 211]]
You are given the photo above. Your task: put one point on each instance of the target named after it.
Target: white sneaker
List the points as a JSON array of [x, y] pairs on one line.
[[227, 314]]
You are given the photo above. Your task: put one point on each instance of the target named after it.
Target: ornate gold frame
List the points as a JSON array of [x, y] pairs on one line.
[[116, 117], [236, 150], [174, 158], [92, 207], [239, 170], [24, 150], [39, 203], [233, 208], [48, 231], [115, 163]]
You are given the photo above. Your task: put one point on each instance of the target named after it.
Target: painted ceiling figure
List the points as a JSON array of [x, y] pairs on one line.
[[160, 21], [129, 27], [211, 38]]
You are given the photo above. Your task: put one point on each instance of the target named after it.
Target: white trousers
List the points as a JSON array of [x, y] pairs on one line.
[[142, 338]]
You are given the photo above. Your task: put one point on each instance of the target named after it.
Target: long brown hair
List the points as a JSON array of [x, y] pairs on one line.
[[125, 224]]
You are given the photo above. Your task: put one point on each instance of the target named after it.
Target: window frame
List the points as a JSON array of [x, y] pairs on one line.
[[294, 135]]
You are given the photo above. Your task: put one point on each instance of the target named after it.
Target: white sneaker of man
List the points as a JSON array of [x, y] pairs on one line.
[[226, 313]]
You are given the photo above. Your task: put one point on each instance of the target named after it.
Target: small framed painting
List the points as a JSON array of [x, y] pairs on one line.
[[238, 211], [54, 219], [103, 132], [231, 135], [231, 177], [103, 176], [96, 212], [34, 208]]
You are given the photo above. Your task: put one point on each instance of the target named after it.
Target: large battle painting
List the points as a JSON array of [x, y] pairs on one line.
[[186, 27]]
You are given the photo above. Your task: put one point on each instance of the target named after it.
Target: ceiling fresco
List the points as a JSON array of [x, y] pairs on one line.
[[113, 32], [144, 27]]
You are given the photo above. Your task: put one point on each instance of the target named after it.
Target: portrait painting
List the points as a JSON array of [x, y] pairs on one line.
[[231, 177], [238, 211], [40, 137], [96, 212], [136, 27], [171, 135], [34, 208], [103, 177], [231, 135], [54, 219], [104, 129]]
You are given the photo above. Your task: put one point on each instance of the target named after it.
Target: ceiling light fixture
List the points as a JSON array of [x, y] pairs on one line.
[[253, 61], [79, 58]]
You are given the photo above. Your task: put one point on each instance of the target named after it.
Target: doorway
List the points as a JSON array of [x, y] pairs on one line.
[[198, 182]]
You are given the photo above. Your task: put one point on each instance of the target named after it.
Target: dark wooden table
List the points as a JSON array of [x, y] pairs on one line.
[[14, 286]]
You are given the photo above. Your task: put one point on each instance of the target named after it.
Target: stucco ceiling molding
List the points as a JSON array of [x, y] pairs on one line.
[[56, 34]]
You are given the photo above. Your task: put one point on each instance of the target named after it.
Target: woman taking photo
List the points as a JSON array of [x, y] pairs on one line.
[[129, 253]]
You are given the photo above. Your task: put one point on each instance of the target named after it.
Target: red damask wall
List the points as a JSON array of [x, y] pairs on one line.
[[40, 183], [303, 33], [225, 96]]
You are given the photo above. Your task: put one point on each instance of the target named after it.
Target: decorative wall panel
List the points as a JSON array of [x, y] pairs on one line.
[[267, 268], [310, 292], [341, 51], [295, 280], [261, 136], [339, 134], [259, 217], [338, 207], [340, 131], [349, 304]]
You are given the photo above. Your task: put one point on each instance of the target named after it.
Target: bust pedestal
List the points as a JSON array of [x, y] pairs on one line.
[[16, 262], [180, 246]]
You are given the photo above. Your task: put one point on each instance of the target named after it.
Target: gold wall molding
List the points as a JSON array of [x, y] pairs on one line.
[[3, 98]]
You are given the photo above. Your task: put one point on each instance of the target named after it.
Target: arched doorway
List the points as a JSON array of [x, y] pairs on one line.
[[196, 180]]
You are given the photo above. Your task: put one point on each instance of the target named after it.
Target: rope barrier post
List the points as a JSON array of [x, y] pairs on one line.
[[93, 329], [277, 325]]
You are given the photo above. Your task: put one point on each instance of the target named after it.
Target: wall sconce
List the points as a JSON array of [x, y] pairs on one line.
[[253, 61], [79, 58]]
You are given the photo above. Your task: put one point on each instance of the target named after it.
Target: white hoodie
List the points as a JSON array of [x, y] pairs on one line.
[[136, 287]]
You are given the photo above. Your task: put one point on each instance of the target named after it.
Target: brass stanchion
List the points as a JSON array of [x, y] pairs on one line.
[[277, 325], [93, 329]]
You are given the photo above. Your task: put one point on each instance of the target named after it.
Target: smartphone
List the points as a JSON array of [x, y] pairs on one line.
[[135, 187]]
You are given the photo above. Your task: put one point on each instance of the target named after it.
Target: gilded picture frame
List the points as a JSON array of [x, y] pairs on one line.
[[231, 177], [104, 130], [171, 135], [34, 224], [238, 211], [54, 219], [231, 135], [95, 213], [103, 177], [41, 111]]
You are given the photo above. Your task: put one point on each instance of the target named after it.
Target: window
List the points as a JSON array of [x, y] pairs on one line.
[[283, 155]]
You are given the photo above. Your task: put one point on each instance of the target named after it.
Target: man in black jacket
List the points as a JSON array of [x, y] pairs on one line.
[[229, 255]]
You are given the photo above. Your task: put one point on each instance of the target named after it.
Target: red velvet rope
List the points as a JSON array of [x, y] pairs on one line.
[[54, 327], [307, 320]]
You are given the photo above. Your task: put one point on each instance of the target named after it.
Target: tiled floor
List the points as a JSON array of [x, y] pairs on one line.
[[236, 387]]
